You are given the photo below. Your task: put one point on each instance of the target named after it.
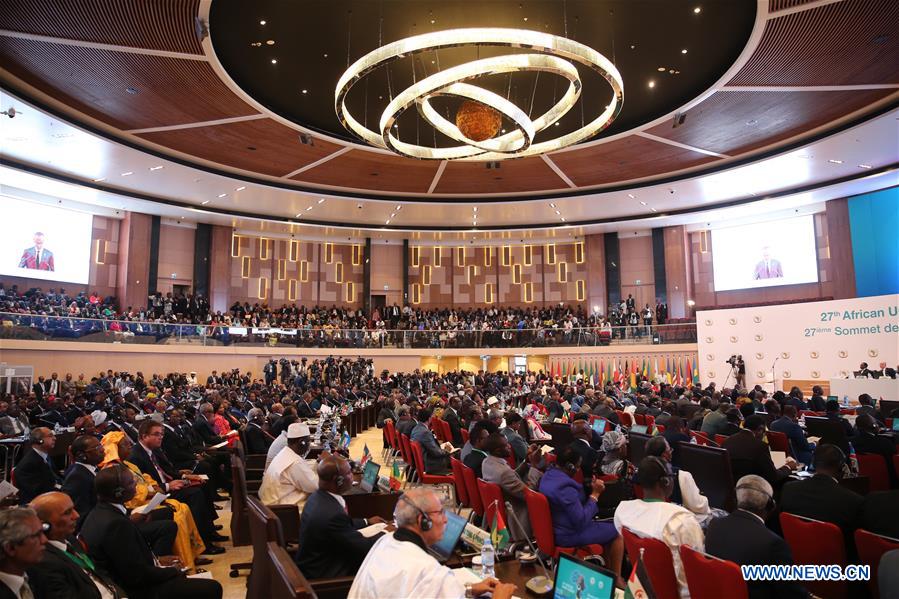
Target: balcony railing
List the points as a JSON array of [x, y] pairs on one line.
[[59, 328]]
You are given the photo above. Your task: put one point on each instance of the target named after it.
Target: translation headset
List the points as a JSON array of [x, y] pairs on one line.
[[118, 493], [768, 506], [425, 523]]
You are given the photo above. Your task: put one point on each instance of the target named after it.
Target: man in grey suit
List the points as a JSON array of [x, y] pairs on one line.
[[767, 267], [436, 461]]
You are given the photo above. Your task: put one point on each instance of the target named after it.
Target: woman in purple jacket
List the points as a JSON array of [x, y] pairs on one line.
[[573, 511]]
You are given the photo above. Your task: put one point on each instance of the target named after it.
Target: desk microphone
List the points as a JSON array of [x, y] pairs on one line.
[[539, 585]]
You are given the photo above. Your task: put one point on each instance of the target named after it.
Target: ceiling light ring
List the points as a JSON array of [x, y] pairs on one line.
[[514, 38]]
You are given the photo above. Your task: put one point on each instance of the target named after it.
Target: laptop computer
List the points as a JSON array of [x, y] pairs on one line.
[[369, 476], [443, 549], [599, 425], [577, 579], [639, 428], [896, 425]]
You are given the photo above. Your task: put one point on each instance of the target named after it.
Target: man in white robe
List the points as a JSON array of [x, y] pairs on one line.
[[399, 564], [289, 479]]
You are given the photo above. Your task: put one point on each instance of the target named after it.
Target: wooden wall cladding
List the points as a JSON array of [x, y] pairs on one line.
[[734, 122], [525, 174], [627, 158], [277, 149], [152, 24], [170, 91], [360, 169], [843, 43]]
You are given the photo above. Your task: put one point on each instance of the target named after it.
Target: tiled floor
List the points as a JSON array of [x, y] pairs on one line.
[[235, 588]]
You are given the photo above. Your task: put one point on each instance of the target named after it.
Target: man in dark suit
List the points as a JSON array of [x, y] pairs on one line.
[[116, 546], [743, 538], [750, 455], [674, 434], [258, 441], [515, 426], [817, 401], [79, 481], [178, 445], [66, 571], [203, 428], [821, 497], [34, 474], [22, 543], [582, 434], [788, 424], [330, 542], [451, 416], [37, 257], [436, 461], [148, 456]]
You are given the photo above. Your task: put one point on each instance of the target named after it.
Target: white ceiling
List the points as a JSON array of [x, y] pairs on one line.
[[49, 144]]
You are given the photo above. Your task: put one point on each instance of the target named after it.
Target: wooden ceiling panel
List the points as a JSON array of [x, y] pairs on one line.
[[360, 169], [625, 159], [166, 91], [845, 43], [523, 175], [732, 122], [276, 149], [153, 24]]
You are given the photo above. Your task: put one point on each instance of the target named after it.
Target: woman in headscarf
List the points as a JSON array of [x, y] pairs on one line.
[[188, 544], [614, 461]]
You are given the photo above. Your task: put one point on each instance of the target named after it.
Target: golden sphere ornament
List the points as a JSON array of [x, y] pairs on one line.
[[476, 121]]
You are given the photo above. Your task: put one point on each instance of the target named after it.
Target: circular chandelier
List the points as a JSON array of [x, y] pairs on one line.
[[545, 53]]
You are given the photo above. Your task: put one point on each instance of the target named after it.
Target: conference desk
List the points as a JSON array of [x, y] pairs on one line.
[[513, 571], [877, 388]]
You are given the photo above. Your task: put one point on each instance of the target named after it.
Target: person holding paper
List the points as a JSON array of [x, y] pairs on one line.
[[421, 522], [186, 542], [290, 478]]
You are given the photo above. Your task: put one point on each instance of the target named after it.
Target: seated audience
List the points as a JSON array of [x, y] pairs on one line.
[[478, 437], [654, 517], [877, 513], [614, 461], [436, 460], [573, 510], [79, 482], [867, 440], [516, 432], [35, 474], [22, 541], [788, 424], [832, 412], [451, 417], [495, 469], [743, 538], [115, 545], [290, 478], [674, 434], [421, 521], [330, 542], [66, 571], [258, 440], [583, 434], [715, 422], [750, 455], [684, 491]]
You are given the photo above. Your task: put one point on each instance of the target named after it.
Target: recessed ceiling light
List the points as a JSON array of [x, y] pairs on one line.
[[321, 200], [661, 69], [299, 215], [262, 22], [305, 91], [684, 51], [474, 208], [393, 215], [524, 19], [241, 188], [631, 196], [127, 173], [551, 205], [642, 203], [697, 10], [556, 123], [221, 195], [204, 202], [835, 161], [274, 61], [309, 208], [399, 207], [387, 223], [433, 21], [653, 209], [562, 218], [865, 166], [270, 42], [652, 83], [557, 212], [100, 179]]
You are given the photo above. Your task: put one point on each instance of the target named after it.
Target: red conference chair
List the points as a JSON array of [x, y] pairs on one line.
[[465, 435], [459, 482], [542, 527], [658, 561], [639, 418], [390, 433], [650, 423], [434, 425], [816, 542], [624, 418], [871, 548], [424, 477], [492, 500], [406, 450], [720, 439], [779, 442], [874, 466], [471, 487], [701, 437], [447, 431], [660, 428], [550, 458], [707, 576]]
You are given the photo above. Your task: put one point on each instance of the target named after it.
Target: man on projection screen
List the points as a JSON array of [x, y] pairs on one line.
[[37, 257], [767, 267]]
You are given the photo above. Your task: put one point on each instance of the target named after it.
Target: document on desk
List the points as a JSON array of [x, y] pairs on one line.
[[466, 575], [779, 458], [6, 489], [154, 503], [373, 529], [202, 575]]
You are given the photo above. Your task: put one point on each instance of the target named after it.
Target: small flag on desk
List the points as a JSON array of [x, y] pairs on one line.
[[638, 584], [366, 455], [345, 440], [396, 477], [499, 534]]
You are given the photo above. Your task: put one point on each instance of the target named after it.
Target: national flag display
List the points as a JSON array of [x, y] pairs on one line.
[[366, 455], [499, 534], [638, 584]]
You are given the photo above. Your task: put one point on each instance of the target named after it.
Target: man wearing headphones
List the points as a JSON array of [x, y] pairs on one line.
[[330, 542], [115, 545], [34, 474], [79, 481], [420, 521], [743, 538]]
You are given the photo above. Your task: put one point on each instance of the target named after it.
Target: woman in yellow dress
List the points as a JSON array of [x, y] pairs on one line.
[[188, 544]]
